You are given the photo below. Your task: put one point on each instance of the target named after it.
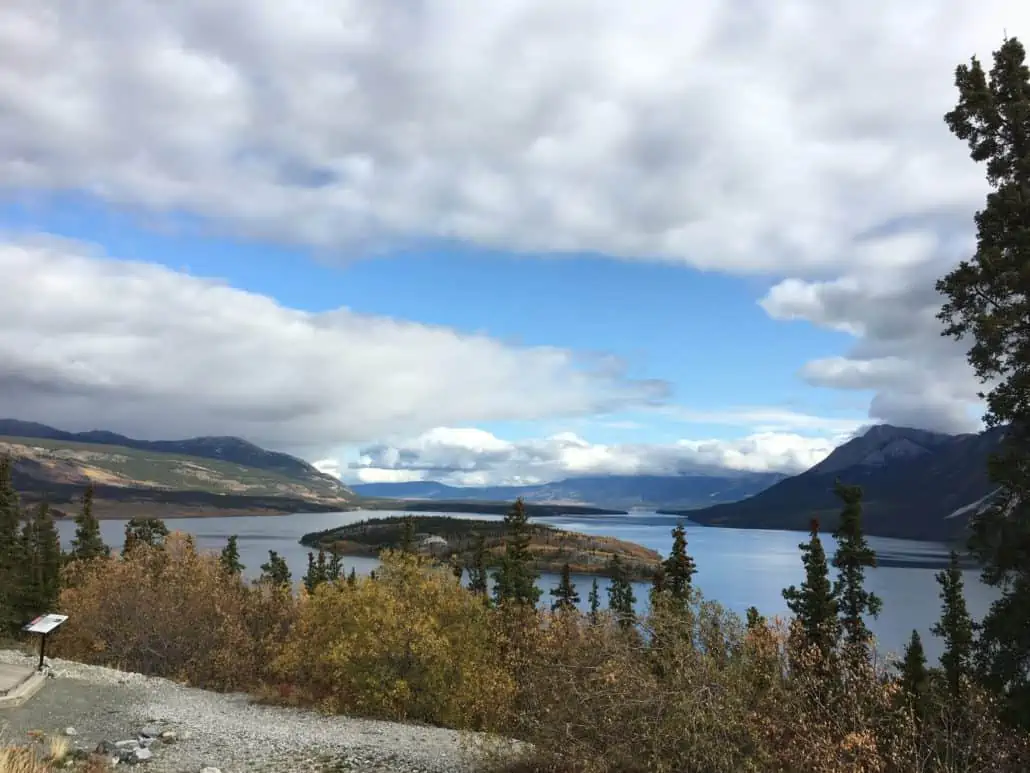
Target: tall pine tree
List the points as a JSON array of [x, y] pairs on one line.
[[566, 598], [144, 531], [620, 594], [679, 568], [230, 557], [955, 627], [276, 571], [914, 678], [477, 568], [515, 578], [12, 562], [852, 558], [87, 543], [594, 602], [814, 604], [986, 304], [43, 560]]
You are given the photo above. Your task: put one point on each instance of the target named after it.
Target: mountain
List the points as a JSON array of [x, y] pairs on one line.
[[618, 491], [205, 472], [916, 485]]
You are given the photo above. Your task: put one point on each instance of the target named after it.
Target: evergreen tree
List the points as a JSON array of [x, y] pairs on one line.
[[44, 560], [679, 567], [87, 543], [620, 594], [565, 596], [352, 578], [914, 677], [477, 569], [852, 558], [594, 600], [987, 303], [311, 577], [955, 627], [515, 578], [408, 535], [755, 620], [276, 572], [12, 562], [658, 587], [144, 531], [230, 557], [814, 604], [334, 571]]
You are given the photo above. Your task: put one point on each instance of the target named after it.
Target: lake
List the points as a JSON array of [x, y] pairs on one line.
[[736, 567]]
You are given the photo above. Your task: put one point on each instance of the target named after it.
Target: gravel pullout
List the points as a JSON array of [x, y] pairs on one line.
[[224, 731]]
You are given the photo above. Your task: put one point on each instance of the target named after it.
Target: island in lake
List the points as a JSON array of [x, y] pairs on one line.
[[454, 539], [481, 507]]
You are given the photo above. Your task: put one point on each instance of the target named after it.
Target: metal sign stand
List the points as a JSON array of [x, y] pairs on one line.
[[44, 625]]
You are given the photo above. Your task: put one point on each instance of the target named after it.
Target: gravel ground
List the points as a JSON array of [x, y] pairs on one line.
[[223, 731]]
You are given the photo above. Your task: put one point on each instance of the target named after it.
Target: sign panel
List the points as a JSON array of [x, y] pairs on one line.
[[45, 623]]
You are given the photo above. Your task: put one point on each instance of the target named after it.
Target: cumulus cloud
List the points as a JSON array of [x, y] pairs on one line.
[[90, 342], [918, 377], [463, 456], [738, 136]]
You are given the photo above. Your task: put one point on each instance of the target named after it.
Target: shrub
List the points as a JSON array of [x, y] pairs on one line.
[[170, 611], [411, 645]]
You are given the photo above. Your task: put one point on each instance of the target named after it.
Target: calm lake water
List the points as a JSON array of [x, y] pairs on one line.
[[736, 567]]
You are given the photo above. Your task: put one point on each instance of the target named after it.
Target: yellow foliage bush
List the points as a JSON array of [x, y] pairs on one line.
[[410, 645], [172, 612]]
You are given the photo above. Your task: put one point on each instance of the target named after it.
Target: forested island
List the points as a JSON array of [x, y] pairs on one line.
[[533, 510], [456, 540]]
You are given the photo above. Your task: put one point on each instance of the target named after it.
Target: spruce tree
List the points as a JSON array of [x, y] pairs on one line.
[[12, 562], [230, 557], [852, 558], [144, 531], [311, 577], [565, 596], [914, 678], [87, 544], [408, 535], [955, 627], [679, 568], [594, 600], [276, 572], [659, 587], [755, 620], [334, 571], [477, 569], [620, 594], [352, 578], [515, 578], [44, 558], [986, 304], [814, 604]]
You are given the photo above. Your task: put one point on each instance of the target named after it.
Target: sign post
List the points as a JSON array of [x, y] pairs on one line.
[[44, 625]]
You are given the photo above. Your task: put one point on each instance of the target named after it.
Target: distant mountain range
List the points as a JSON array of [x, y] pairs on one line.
[[916, 484], [188, 476], [617, 491]]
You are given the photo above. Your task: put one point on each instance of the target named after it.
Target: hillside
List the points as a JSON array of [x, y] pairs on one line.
[[447, 539], [912, 481], [609, 491], [145, 475]]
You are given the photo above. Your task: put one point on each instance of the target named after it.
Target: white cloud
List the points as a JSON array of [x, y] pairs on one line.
[[763, 420], [87, 342], [474, 457], [736, 136], [918, 377]]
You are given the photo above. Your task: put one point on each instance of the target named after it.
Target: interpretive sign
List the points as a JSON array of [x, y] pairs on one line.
[[44, 625]]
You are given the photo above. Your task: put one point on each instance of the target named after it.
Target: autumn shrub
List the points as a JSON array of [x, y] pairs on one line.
[[173, 612], [410, 645]]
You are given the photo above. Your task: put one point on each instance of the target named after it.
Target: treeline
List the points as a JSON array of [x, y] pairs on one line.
[[687, 686]]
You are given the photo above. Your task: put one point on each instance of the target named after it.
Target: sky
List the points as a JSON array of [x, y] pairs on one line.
[[488, 243]]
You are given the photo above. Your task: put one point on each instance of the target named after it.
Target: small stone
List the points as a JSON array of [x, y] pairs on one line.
[[168, 735], [150, 731], [70, 731], [210, 770], [143, 754], [130, 744]]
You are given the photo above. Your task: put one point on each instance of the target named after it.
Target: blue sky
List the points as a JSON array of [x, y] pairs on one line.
[[589, 254]]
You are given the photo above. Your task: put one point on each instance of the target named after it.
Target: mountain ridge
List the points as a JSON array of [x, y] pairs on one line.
[[915, 485]]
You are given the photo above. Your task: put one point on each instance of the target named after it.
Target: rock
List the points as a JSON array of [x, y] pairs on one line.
[[210, 770], [70, 731], [150, 731], [168, 735], [130, 744], [143, 754]]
